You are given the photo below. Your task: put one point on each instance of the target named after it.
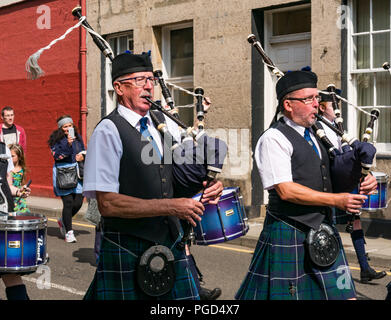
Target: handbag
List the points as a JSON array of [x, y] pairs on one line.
[[66, 177], [92, 213]]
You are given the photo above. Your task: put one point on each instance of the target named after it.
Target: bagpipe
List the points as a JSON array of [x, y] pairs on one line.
[[351, 164]]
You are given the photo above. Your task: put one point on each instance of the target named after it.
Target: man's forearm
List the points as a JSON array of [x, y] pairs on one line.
[[299, 194], [122, 206]]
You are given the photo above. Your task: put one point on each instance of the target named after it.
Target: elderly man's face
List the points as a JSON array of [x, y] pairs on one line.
[[132, 92], [300, 112]]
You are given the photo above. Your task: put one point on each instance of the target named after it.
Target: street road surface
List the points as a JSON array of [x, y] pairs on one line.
[[72, 266]]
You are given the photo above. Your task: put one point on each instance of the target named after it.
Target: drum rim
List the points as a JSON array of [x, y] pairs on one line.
[[223, 196], [24, 225], [23, 269], [230, 237], [380, 176]]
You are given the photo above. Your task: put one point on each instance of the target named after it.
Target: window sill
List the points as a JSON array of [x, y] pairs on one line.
[[383, 155]]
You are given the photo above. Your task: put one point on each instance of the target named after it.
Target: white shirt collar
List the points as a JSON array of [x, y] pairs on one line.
[[299, 129], [132, 117]]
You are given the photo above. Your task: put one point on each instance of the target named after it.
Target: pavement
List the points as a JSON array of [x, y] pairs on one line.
[[378, 244]]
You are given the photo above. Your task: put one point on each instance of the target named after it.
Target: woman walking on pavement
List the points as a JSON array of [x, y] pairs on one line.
[[67, 149]]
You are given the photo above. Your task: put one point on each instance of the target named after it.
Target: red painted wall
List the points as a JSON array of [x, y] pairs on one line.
[[38, 103]]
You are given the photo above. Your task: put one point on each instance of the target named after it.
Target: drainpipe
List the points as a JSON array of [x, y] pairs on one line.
[[83, 63]]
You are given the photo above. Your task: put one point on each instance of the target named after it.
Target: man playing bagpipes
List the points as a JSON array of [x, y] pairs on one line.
[[299, 255], [139, 257]]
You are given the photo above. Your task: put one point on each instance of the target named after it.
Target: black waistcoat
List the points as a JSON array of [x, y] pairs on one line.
[[145, 181], [5, 189], [307, 169]]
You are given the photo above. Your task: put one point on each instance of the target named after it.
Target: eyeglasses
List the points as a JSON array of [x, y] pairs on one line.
[[141, 81], [308, 100]]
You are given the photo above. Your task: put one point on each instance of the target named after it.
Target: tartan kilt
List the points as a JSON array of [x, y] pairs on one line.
[[281, 270], [115, 276]]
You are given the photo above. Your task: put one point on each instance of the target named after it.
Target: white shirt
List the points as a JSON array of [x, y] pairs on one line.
[[333, 137], [102, 164], [273, 154]]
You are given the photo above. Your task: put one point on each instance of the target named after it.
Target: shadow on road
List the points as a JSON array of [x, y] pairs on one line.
[[85, 255]]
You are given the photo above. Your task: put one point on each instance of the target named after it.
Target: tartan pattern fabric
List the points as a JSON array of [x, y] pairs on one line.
[[115, 277], [281, 270]]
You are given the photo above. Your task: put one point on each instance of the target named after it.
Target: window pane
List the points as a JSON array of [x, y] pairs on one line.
[[381, 49], [181, 45], [381, 14], [383, 85], [364, 90], [289, 22], [384, 121], [361, 52], [181, 99], [361, 16], [113, 45], [123, 44], [130, 43]]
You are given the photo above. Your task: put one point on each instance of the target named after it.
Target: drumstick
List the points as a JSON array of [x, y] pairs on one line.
[[25, 187]]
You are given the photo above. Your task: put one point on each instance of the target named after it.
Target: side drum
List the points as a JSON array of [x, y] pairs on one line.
[[379, 199], [222, 222], [22, 242]]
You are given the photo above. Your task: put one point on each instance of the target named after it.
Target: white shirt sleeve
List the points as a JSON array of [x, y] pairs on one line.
[[101, 168], [10, 165], [273, 158]]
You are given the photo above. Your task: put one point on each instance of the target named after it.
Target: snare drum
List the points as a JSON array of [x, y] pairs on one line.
[[222, 222], [22, 242], [379, 199]]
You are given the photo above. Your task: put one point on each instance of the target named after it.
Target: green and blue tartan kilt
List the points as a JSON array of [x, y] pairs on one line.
[[115, 276], [281, 270]]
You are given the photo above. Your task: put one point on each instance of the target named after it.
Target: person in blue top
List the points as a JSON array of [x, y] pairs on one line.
[[68, 150]]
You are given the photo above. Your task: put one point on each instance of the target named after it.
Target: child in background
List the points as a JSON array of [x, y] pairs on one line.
[[18, 175]]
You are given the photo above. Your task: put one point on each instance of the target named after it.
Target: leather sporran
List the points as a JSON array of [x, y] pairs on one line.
[[323, 246], [66, 177], [155, 272]]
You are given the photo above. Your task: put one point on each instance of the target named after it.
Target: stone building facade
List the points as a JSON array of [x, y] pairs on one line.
[[318, 33]]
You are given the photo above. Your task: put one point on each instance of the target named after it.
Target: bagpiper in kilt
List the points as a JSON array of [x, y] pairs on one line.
[[298, 232], [139, 258]]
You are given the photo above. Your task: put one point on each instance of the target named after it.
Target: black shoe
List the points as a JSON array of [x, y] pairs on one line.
[[370, 274], [206, 294]]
